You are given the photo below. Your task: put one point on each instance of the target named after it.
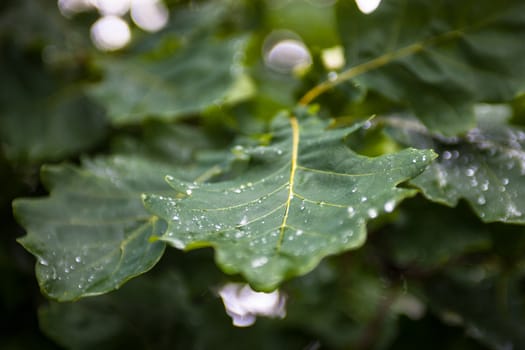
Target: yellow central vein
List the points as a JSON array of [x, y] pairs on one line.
[[293, 168]]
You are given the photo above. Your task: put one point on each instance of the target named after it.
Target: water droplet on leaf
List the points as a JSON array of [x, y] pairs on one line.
[[389, 206], [258, 262]]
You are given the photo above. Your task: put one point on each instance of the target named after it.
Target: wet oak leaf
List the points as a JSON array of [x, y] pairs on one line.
[[486, 167], [304, 196], [91, 234]]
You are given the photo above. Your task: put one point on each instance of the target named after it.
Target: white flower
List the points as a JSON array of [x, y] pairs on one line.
[[243, 304]]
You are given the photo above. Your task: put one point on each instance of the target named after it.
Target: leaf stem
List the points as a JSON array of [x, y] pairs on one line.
[[375, 63]]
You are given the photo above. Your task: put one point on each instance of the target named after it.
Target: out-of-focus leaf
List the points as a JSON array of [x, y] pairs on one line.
[[492, 310], [198, 76], [312, 21], [163, 311], [415, 335], [427, 236], [149, 313], [179, 309], [352, 310], [293, 206], [486, 167], [437, 57], [42, 117], [177, 143], [31, 22]]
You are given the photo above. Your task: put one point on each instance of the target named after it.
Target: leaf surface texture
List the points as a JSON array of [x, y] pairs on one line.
[[305, 196]]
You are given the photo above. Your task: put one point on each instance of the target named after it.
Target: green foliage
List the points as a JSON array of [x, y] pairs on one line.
[[380, 191], [291, 207], [438, 57]]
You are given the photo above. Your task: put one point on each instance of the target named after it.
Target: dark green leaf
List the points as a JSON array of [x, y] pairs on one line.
[[92, 234], [305, 196], [485, 167], [202, 74], [427, 236], [160, 312], [42, 116], [437, 56], [492, 310]]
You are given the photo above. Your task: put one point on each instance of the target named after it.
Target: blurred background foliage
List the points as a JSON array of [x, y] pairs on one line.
[[429, 277]]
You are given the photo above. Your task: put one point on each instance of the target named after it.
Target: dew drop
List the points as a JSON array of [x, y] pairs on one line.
[[372, 213], [189, 192], [390, 205], [299, 232], [302, 206], [364, 199], [237, 190], [332, 76], [78, 259], [244, 221], [347, 235], [43, 262], [513, 211], [351, 211], [175, 218], [178, 244], [470, 172], [446, 155], [481, 200], [505, 181]]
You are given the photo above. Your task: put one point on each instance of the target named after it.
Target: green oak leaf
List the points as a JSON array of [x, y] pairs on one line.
[[303, 197], [92, 233], [486, 167], [198, 76], [437, 56]]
